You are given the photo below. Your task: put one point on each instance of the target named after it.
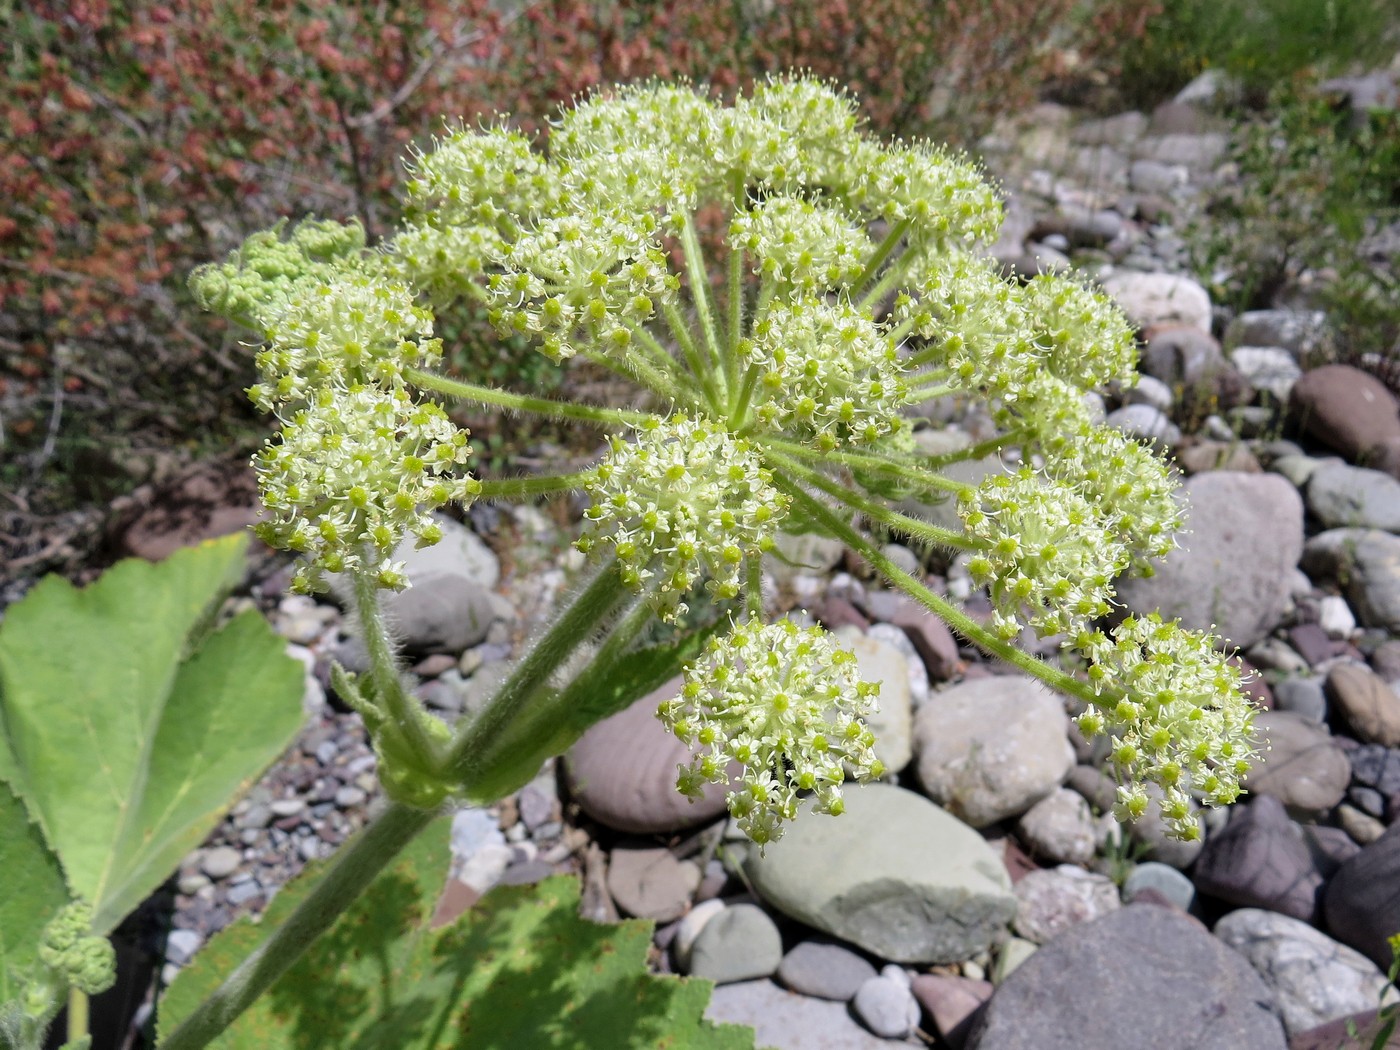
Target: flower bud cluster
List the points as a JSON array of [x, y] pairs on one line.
[[258, 281], [69, 947], [787, 705], [352, 472], [1046, 553], [685, 500], [827, 374], [1172, 704]]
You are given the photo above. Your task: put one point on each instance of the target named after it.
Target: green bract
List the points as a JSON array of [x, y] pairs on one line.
[[784, 289]]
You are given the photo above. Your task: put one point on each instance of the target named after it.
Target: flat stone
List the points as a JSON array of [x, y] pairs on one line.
[[1304, 767], [652, 883], [740, 943], [1088, 990], [220, 862], [1340, 495], [1147, 424], [783, 1020], [1155, 299], [1366, 704], [622, 772], [1314, 978], [1161, 879], [1298, 332], [824, 970], [1346, 409], [1060, 828], [1183, 356], [1051, 900], [1268, 368], [887, 1007], [1242, 537], [689, 928], [895, 875], [991, 748]]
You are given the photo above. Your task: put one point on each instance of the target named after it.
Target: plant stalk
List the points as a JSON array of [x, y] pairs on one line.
[[351, 871]]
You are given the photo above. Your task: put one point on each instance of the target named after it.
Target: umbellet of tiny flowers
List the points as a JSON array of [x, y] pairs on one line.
[[1173, 706], [801, 244], [1046, 557], [686, 500], [353, 328], [1088, 341], [352, 472], [826, 373], [787, 705]]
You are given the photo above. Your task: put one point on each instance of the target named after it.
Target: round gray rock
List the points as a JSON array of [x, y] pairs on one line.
[[1244, 535], [786, 1021], [1304, 768], [887, 1007], [1151, 299], [1143, 976], [893, 723], [991, 748], [1060, 827], [894, 875], [738, 944], [1342, 496], [825, 970]]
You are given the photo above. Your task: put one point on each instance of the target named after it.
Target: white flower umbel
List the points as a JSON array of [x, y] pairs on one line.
[[1173, 705], [685, 500], [786, 704], [352, 473]]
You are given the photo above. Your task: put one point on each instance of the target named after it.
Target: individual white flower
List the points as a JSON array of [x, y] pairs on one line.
[[1173, 706], [787, 705], [354, 471], [686, 500]]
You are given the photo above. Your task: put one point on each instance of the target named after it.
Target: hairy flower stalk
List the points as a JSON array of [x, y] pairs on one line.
[[851, 283]]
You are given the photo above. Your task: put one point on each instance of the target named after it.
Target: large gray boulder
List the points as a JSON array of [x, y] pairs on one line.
[[1142, 976], [894, 874], [1242, 538]]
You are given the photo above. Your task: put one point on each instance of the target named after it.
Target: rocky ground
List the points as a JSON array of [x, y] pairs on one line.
[[978, 898]]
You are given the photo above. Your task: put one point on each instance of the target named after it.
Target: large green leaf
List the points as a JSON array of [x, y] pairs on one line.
[[520, 969], [128, 725], [33, 894]]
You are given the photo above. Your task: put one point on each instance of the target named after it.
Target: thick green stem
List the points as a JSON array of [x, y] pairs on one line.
[[353, 868], [977, 451], [663, 361], [637, 370], [940, 606], [928, 393], [740, 408], [753, 592], [590, 608], [541, 406], [401, 711], [735, 302], [77, 1015], [516, 488]]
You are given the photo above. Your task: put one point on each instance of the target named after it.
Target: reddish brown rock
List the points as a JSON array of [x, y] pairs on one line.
[[206, 502], [1346, 409], [622, 773], [950, 1003], [1366, 703]]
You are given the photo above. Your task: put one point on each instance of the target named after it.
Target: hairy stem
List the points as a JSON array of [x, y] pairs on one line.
[[700, 293], [938, 605], [906, 471], [542, 484], [353, 868], [507, 399], [594, 605], [400, 710]]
